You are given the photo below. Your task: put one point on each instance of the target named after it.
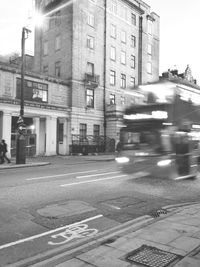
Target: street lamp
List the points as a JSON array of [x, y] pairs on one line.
[[21, 140]]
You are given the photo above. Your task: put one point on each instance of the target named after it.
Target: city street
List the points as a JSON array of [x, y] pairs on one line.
[[48, 206]]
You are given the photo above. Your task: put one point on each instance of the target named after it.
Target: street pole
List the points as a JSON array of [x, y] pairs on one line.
[[21, 139]]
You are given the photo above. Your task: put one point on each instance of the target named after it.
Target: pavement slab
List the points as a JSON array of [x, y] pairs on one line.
[[185, 243], [104, 256]]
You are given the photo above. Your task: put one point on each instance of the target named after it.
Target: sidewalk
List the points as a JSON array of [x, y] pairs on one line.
[[172, 239], [69, 160]]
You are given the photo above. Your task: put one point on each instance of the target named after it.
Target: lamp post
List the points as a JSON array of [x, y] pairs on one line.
[[21, 140]]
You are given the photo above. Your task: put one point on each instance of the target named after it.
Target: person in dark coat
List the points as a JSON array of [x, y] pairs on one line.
[[1, 153], [4, 151]]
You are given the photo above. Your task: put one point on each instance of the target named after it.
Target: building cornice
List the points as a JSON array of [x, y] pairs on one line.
[[6, 67]]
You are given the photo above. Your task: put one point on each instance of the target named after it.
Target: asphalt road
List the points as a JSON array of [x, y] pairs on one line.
[[48, 206]]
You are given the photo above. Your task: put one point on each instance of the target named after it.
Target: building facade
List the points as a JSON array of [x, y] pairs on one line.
[[103, 50], [46, 112]]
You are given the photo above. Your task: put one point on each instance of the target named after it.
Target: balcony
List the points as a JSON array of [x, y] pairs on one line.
[[91, 80]]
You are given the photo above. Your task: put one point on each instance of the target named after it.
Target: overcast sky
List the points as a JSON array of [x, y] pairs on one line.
[[179, 31]]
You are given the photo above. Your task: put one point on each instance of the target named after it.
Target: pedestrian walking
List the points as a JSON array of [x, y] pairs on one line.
[[1, 153], [4, 151]]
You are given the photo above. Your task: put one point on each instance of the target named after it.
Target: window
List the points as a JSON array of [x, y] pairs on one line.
[[90, 19], [90, 98], [57, 42], [132, 61], [113, 6], [60, 132], [46, 25], [57, 69], [90, 42], [45, 48], [123, 57], [113, 53], [33, 91], [113, 31], [123, 12], [132, 82], [90, 68], [133, 19], [112, 77], [149, 57], [96, 130], [149, 67], [123, 80], [51, 21], [83, 131], [123, 36], [57, 18], [150, 24], [122, 100], [133, 41], [149, 49], [112, 99], [45, 69]]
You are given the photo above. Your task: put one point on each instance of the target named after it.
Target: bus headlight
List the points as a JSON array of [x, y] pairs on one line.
[[122, 160], [164, 162]]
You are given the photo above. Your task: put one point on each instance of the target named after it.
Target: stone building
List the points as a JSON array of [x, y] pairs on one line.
[[103, 49], [46, 112]]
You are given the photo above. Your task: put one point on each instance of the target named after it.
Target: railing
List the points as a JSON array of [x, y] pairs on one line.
[[91, 79], [91, 144]]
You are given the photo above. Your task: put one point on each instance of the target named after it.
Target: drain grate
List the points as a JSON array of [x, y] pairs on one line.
[[157, 213], [152, 257]]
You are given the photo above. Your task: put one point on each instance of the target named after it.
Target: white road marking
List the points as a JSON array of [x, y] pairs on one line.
[[184, 177], [96, 180], [112, 206], [100, 174], [58, 175], [73, 232], [49, 232]]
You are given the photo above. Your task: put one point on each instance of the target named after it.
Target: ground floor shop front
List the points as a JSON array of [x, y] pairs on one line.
[[47, 131]]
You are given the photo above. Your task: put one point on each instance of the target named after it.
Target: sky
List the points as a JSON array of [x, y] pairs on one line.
[[179, 31]]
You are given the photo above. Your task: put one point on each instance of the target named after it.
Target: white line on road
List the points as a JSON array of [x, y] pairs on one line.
[[91, 175], [96, 180], [58, 175], [112, 206], [49, 232]]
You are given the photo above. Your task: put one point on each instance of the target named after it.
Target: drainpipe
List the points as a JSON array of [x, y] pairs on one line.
[[104, 73], [140, 52]]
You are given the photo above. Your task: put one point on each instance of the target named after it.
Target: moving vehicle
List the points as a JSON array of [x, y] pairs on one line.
[[154, 142]]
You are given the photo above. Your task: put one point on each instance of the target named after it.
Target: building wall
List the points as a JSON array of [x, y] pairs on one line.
[[55, 25], [43, 114], [74, 54]]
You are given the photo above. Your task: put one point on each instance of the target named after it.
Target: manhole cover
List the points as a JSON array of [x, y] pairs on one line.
[[152, 257]]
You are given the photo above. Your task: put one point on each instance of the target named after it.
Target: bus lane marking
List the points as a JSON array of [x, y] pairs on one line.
[[82, 230], [59, 175], [95, 180]]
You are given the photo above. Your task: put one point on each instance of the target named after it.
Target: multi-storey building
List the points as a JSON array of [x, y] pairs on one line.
[[104, 49]]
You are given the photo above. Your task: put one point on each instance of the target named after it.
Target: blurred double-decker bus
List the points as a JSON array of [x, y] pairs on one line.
[[161, 139]]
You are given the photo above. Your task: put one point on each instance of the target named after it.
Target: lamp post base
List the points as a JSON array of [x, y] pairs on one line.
[[21, 149]]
